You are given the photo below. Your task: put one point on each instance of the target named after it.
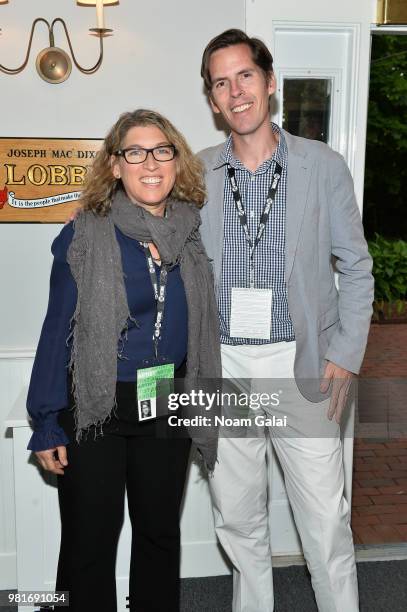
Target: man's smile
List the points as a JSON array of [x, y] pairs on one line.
[[242, 107]]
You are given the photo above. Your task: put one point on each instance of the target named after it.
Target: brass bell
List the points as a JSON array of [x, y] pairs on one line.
[[53, 65]]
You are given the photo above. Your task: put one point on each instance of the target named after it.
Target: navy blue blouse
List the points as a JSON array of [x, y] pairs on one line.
[[48, 390]]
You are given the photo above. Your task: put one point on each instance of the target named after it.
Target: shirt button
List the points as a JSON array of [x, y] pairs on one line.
[[252, 178], [252, 214]]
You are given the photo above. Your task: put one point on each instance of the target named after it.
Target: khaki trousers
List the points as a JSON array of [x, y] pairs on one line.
[[314, 478]]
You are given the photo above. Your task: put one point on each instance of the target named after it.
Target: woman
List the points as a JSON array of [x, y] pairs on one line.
[[132, 280]]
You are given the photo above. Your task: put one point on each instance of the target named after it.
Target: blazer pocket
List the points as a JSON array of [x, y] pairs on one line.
[[328, 318]]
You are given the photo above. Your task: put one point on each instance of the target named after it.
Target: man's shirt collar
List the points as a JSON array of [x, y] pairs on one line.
[[280, 154]]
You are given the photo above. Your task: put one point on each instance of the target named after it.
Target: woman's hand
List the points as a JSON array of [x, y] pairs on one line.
[[154, 252], [51, 462]]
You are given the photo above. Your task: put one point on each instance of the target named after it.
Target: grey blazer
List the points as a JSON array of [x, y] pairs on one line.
[[323, 223]]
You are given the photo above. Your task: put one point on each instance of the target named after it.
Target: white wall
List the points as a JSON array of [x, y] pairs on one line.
[[152, 60]]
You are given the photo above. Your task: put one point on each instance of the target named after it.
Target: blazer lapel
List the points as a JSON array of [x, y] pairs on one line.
[[215, 187], [298, 180], [212, 212]]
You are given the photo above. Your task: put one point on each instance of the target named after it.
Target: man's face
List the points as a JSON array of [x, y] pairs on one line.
[[240, 91]]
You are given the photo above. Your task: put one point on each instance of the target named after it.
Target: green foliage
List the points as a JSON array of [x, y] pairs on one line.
[[390, 273], [386, 145]]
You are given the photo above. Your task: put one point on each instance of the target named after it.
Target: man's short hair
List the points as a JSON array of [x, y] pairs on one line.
[[260, 54]]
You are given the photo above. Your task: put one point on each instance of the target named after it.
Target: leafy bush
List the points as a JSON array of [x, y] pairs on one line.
[[390, 273], [386, 144]]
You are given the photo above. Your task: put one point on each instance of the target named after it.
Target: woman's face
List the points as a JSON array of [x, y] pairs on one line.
[[150, 182]]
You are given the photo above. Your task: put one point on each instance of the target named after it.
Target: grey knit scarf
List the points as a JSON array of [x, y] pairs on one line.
[[102, 311]]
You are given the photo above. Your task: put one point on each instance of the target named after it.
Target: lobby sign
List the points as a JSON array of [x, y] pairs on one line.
[[41, 178]]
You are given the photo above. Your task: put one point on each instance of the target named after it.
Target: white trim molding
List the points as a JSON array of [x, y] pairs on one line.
[[388, 29], [17, 353], [345, 80]]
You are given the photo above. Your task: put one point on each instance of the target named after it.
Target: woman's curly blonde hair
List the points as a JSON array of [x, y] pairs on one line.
[[100, 184]]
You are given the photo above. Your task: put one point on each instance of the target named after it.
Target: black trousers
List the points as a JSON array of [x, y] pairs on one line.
[[147, 459]]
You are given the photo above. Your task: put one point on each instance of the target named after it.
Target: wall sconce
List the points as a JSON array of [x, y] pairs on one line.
[[53, 64]]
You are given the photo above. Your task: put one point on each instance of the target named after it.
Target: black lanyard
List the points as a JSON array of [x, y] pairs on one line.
[[265, 214], [159, 288]]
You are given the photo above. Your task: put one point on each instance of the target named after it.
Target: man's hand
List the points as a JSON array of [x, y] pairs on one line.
[[341, 381], [51, 462]]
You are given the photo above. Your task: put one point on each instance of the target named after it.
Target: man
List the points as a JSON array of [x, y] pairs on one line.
[[279, 207]]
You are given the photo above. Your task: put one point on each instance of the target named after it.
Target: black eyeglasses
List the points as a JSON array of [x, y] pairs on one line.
[[138, 155]]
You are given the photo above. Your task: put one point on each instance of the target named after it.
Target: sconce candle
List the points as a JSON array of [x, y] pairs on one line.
[[100, 19], [99, 14]]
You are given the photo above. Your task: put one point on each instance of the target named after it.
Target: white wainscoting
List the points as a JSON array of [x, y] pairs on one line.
[[15, 369]]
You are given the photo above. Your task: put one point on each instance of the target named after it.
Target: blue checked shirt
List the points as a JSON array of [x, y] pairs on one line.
[[269, 258]]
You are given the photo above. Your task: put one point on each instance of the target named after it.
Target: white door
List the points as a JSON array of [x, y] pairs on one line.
[[321, 62]]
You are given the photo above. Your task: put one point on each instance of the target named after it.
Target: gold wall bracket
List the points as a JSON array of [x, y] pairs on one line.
[[53, 64], [391, 12]]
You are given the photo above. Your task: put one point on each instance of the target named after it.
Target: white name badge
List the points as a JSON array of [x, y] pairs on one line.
[[250, 315]]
